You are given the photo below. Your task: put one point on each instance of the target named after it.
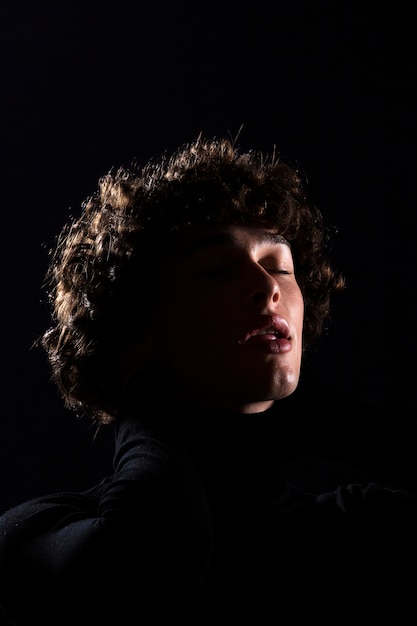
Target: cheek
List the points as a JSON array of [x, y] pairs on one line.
[[299, 308], [295, 306], [181, 317], [197, 324], [187, 306]]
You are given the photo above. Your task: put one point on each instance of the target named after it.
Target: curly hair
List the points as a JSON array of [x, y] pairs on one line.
[[102, 253]]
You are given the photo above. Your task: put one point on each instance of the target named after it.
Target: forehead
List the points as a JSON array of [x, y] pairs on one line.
[[245, 237]]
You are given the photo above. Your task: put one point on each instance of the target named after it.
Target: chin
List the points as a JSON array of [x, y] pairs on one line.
[[285, 386]]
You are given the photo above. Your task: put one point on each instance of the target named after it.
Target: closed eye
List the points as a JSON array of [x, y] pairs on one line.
[[217, 271], [276, 270]]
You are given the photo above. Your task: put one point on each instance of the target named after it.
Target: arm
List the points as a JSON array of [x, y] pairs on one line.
[[141, 538]]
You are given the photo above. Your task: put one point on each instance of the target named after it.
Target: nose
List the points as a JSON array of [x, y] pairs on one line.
[[262, 287]]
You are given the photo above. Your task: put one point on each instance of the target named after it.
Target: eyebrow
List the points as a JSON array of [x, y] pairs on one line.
[[226, 239]]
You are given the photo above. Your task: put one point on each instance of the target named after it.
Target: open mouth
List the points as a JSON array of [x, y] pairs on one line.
[[270, 328]]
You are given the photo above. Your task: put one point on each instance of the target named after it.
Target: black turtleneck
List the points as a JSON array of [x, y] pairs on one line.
[[206, 518]]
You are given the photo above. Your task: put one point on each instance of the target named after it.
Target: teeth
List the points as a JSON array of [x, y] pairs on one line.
[[268, 332]]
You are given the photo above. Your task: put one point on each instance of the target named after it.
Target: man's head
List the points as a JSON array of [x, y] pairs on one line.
[[207, 267]]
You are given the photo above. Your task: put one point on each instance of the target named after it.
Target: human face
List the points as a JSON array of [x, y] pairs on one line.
[[228, 332]]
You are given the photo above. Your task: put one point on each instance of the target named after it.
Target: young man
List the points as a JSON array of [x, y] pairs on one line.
[[185, 298]]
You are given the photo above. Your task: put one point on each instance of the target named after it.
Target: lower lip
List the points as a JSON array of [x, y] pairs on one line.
[[270, 344]]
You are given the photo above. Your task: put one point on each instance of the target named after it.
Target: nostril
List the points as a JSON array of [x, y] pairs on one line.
[[262, 296]]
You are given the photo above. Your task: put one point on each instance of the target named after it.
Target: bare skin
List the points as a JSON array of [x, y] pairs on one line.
[[228, 329]]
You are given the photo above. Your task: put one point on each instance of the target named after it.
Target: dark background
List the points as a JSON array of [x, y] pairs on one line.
[[86, 86]]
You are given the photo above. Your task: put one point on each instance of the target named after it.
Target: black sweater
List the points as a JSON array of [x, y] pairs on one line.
[[204, 521]]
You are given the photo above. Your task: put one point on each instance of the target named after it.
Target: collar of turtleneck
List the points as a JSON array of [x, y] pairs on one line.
[[232, 453]]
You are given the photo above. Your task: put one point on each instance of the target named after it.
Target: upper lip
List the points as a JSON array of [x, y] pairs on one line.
[[274, 324]]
